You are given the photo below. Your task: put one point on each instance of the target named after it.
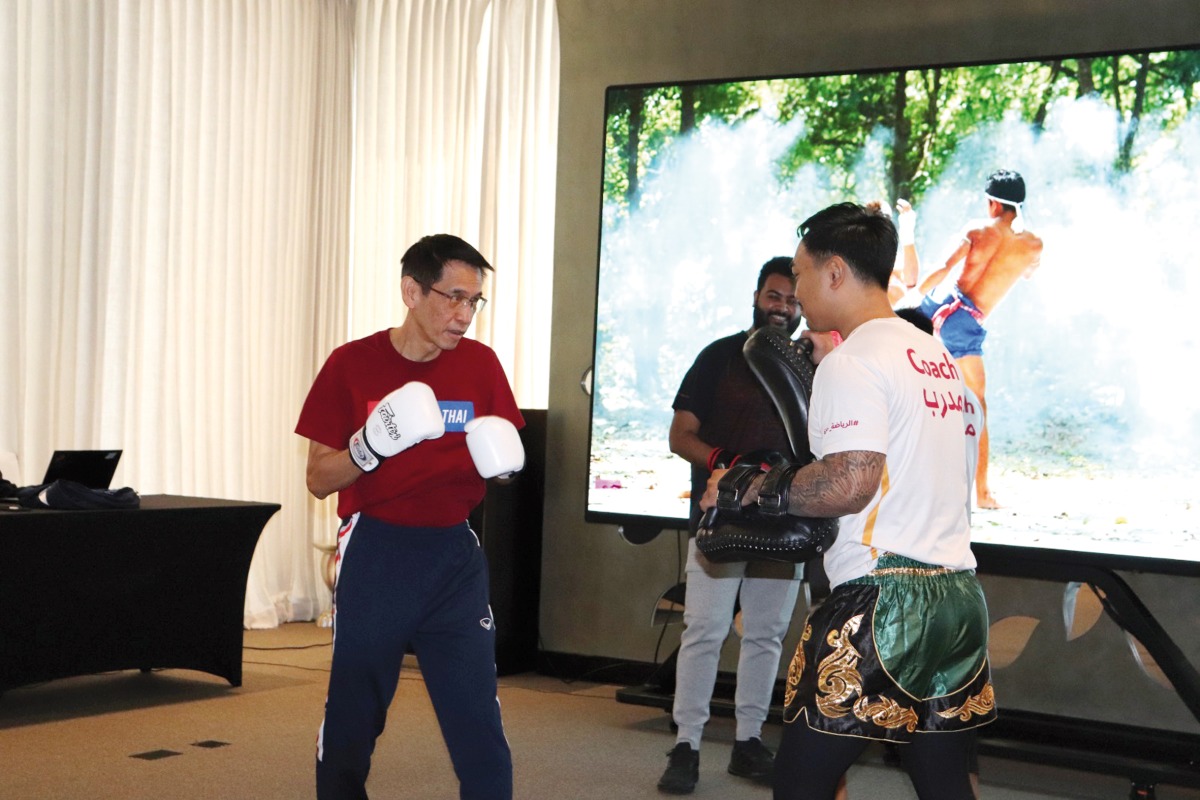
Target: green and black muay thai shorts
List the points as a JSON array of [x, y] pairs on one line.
[[897, 652]]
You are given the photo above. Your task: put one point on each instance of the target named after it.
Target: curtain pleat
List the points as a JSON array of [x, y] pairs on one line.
[[200, 199], [457, 111]]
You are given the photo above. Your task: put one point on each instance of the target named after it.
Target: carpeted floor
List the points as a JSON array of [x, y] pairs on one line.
[[181, 734]]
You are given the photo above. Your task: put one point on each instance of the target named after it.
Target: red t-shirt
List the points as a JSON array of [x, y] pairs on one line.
[[433, 483]]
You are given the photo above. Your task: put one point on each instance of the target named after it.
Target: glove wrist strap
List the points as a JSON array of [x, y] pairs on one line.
[[773, 496], [361, 452], [734, 484]]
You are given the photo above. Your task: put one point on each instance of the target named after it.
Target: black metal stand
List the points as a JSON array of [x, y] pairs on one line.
[[1146, 756]]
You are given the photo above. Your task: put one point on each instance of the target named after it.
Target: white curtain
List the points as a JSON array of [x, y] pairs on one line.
[[177, 234], [456, 129]]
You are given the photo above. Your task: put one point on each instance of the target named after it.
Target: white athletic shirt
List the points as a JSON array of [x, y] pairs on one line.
[[890, 388]]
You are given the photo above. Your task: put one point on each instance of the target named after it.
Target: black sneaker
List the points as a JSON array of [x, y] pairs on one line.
[[752, 759], [683, 770]]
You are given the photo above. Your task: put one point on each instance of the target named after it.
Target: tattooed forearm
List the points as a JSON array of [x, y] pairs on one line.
[[842, 483]]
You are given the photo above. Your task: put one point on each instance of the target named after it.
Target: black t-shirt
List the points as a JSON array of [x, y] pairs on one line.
[[735, 412]]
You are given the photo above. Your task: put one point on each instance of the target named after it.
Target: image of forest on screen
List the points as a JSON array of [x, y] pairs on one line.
[[1095, 442]]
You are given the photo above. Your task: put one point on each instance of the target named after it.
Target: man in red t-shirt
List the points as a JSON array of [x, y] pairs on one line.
[[406, 425]]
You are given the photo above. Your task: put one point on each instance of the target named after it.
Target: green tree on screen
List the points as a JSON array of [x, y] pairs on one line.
[[919, 115]]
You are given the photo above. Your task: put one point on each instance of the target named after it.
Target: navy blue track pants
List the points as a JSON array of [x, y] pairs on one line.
[[428, 588]]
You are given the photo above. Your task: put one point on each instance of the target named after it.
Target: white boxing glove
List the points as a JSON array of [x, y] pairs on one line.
[[403, 418], [495, 447]]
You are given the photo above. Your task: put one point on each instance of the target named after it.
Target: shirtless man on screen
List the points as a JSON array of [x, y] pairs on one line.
[[908, 264], [994, 254]]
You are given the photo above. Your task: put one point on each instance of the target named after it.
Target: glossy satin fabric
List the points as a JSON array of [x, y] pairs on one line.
[[900, 651]]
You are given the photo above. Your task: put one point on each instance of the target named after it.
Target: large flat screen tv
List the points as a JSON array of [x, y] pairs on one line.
[[1091, 363]]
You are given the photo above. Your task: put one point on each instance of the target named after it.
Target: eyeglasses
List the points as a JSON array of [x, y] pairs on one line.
[[458, 300]]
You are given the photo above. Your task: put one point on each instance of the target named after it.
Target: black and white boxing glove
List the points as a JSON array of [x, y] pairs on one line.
[[403, 418]]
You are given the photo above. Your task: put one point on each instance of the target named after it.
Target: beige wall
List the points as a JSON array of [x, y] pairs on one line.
[[598, 591]]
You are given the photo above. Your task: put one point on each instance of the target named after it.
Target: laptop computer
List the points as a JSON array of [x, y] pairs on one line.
[[92, 468]]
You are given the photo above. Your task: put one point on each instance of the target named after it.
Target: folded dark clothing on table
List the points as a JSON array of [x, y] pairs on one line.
[[71, 496]]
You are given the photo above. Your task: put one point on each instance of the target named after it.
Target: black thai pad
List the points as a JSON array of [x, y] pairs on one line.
[[757, 532], [786, 371], [730, 532]]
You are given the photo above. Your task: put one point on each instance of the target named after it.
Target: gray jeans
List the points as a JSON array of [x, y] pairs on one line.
[[768, 597]]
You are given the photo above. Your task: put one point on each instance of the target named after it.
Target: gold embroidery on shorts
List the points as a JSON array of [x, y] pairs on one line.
[[796, 668], [981, 704], [886, 713], [838, 678]]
